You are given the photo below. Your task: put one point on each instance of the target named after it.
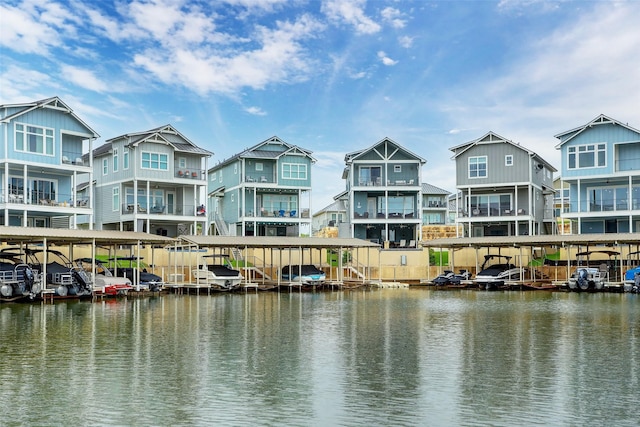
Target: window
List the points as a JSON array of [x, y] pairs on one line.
[[490, 204], [587, 156], [115, 160], [34, 139], [369, 175], [213, 177], [235, 168], [42, 190], [155, 161], [125, 159], [294, 171], [182, 162], [233, 198], [115, 199], [259, 166], [508, 160], [478, 167], [397, 168], [105, 166]]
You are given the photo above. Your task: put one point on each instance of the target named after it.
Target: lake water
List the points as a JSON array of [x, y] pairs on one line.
[[400, 357]]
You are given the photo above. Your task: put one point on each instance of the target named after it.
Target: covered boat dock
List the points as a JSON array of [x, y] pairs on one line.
[[530, 248], [261, 258]]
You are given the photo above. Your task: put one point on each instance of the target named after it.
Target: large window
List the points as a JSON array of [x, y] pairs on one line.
[[294, 171], [478, 167], [608, 199], [490, 204], [155, 161], [34, 139], [43, 190], [370, 175], [587, 156]]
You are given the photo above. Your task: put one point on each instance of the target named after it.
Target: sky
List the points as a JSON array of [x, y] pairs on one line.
[[330, 76]]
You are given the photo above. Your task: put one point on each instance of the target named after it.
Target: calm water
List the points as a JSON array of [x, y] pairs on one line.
[[352, 358]]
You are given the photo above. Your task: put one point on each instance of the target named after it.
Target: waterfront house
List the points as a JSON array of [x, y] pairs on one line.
[[504, 188], [384, 194], [327, 221], [152, 181], [601, 166], [42, 145], [435, 205], [264, 190]]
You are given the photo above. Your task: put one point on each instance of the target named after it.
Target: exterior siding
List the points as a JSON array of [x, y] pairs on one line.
[[497, 172]]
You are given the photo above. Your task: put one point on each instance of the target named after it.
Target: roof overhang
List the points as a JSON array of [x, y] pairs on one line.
[[60, 236]]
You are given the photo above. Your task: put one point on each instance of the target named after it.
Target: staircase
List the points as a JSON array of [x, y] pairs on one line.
[[235, 253]]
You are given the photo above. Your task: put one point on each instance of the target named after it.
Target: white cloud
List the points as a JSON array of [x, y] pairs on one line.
[[352, 13], [385, 59], [393, 17], [256, 111], [83, 78], [279, 58], [405, 41], [562, 81], [27, 30]]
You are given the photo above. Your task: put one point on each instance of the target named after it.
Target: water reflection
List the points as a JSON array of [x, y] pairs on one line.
[[382, 357]]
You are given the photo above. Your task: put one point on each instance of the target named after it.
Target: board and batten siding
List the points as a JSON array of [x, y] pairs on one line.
[[497, 172], [609, 134]]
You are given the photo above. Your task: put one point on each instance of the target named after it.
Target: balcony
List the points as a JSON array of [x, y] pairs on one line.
[[190, 173], [169, 210]]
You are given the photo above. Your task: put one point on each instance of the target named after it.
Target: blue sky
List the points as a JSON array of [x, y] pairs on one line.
[[330, 76]]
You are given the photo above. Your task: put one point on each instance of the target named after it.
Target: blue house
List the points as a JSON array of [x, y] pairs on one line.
[[264, 190], [601, 166], [42, 145]]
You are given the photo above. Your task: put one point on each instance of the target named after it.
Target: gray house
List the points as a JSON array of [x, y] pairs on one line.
[[504, 188], [153, 181], [383, 194]]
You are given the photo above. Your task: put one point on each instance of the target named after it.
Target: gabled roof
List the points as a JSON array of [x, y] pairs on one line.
[[167, 133], [493, 138], [600, 120], [54, 103], [256, 152], [432, 189], [337, 206], [350, 157]]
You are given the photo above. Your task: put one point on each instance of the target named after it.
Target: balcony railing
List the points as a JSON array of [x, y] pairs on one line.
[[606, 206], [189, 173], [43, 199], [179, 210]]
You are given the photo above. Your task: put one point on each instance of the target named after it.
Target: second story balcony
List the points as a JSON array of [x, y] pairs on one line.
[[190, 173]]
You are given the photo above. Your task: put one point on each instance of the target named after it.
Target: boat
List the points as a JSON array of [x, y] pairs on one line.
[[220, 276], [18, 281], [632, 276], [104, 282], [306, 274], [593, 274], [62, 276], [449, 278], [496, 270], [141, 279]]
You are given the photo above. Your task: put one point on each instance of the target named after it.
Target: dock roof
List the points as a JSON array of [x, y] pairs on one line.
[[594, 239], [14, 235], [276, 242]]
